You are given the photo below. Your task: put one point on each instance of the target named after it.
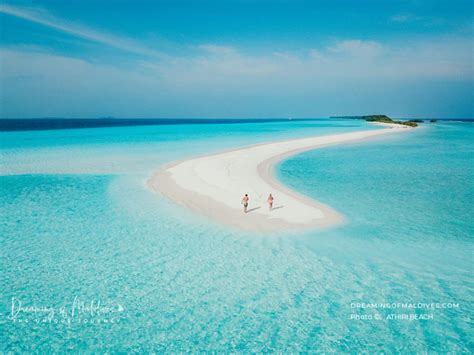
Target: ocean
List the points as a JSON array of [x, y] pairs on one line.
[[92, 261]]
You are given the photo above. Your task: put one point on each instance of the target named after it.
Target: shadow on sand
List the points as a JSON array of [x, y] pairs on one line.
[[256, 208], [253, 209]]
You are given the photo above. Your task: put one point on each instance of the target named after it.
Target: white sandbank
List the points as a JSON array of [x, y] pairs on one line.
[[214, 185]]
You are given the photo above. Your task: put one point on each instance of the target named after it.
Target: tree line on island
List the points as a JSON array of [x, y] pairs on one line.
[[385, 119]]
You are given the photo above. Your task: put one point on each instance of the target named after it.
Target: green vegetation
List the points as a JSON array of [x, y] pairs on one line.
[[386, 119], [382, 119], [407, 123], [378, 118]]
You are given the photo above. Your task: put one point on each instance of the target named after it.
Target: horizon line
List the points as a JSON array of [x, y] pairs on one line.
[[229, 118]]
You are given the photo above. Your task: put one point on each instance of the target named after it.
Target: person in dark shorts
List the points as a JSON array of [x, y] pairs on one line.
[[245, 202]]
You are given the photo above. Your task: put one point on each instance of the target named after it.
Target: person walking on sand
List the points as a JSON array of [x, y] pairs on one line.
[[245, 202], [270, 202]]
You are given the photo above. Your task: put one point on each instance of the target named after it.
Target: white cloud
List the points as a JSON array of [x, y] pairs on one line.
[[46, 19], [447, 59], [357, 48], [222, 81], [401, 18], [218, 50], [407, 18]]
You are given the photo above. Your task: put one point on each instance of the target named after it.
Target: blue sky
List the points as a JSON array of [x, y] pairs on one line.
[[236, 58]]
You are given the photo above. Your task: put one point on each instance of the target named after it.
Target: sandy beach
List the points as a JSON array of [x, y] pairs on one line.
[[214, 185]]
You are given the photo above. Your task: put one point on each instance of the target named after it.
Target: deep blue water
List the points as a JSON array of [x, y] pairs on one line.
[[35, 124], [79, 224]]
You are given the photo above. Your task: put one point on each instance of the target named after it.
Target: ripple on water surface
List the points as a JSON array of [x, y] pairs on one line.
[[187, 284]]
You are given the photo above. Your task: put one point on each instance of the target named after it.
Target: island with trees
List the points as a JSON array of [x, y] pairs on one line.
[[383, 119]]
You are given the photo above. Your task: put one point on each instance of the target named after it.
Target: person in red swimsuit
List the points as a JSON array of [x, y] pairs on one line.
[[270, 202]]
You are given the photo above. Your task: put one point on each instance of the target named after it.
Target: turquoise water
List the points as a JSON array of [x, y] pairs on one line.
[[79, 224]]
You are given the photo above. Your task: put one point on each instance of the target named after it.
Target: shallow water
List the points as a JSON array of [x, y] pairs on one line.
[[79, 224]]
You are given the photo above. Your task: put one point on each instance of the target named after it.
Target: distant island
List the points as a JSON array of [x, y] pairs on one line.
[[382, 119], [386, 119]]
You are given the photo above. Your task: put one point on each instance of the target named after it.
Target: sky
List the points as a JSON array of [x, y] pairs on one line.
[[236, 59]]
